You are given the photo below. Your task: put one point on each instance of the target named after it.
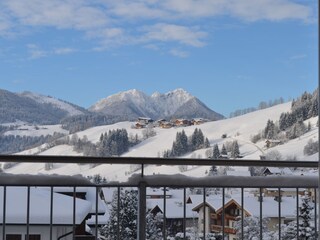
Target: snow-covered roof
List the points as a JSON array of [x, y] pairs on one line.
[[212, 202], [276, 170], [238, 173], [174, 208], [90, 196], [16, 207], [108, 194], [270, 206], [158, 192], [252, 205], [102, 219]]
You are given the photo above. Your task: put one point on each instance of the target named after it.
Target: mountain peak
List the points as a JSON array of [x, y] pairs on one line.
[[134, 103]]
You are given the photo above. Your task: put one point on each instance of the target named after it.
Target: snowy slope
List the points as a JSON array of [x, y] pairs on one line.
[[69, 108], [242, 128], [23, 129], [239, 128]]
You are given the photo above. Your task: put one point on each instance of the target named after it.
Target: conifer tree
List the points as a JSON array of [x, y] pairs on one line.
[[206, 143], [306, 231], [289, 231], [224, 150], [235, 152], [154, 226], [216, 152], [128, 216]]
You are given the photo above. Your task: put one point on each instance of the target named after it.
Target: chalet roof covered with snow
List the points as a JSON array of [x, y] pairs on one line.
[[16, 207], [90, 196], [174, 208]]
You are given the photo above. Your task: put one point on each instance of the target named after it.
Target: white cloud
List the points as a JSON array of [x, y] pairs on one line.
[[274, 10], [298, 56], [178, 53], [57, 13], [63, 51], [110, 23], [35, 52], [190, 36], [137, 9], [249, 10]]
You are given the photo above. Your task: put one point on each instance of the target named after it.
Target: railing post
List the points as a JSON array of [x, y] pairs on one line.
[[142, 211]]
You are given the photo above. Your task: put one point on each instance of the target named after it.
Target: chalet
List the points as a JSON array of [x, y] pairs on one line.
[[182, 122], [198, 121], [272, 143], [174, 213], [232, 211], [239, 172], [223, 156], [156, 193], [139, 125], [276, 171], [145, 120], [288, 209], [213, 214], [88, 194], [39, 219], [284, 192], [164, 124], [160, 122]]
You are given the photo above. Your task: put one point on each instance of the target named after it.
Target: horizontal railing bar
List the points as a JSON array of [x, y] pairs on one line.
[[173, 181], [155, 161]]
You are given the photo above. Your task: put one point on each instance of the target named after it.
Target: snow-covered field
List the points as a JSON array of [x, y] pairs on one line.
[[24, 129], [240, 128]]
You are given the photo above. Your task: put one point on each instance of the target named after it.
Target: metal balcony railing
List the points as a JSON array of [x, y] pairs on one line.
[[142, 182]]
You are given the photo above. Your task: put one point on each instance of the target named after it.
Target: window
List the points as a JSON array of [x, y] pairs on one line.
[[33, 237], [13, 237]]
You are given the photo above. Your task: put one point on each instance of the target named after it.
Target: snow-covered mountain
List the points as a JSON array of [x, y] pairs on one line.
[[174, 104], [132, 103], [70, 108], [34, 108]]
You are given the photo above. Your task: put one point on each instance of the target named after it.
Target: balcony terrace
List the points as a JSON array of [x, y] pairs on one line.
[[76, 209]]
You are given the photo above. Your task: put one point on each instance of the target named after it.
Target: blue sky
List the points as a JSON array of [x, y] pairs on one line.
[[229, 53]]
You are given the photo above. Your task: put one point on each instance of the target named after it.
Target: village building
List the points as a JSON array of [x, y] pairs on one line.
[[272, 143], [276, 171], [157, 193], [211, 215], [182, 122], [139, 125], [166, 125], [40, 217], [198, 121], [232, 211], [143, 122]]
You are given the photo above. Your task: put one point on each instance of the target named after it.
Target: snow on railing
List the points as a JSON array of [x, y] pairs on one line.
[[142, 182]]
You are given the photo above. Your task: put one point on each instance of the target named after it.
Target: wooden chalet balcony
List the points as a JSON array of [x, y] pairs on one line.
[[226, 216], [141, 182], [231, 217], [227, 230]]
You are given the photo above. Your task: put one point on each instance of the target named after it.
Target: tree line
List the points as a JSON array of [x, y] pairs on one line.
[[262, 105]]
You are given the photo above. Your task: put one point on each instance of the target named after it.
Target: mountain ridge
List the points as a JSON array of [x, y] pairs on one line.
[[128, 105], [173, 104], [34, 108]]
